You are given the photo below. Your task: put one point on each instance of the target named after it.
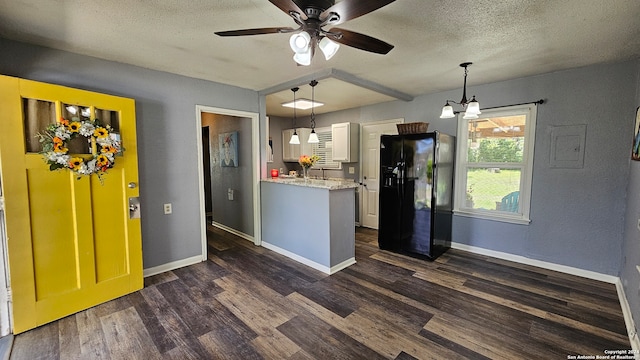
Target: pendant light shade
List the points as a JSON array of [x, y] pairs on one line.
[[295, 139], [472, 108], [447, 111], [313, 137]]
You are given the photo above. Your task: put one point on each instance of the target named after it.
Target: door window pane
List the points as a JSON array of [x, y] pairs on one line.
[[38, 114], [79, 144], [109, 118]]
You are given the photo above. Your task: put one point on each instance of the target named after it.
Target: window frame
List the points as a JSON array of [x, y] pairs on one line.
[[526, 175]]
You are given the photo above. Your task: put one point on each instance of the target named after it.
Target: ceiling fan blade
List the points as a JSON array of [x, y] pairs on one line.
[[360, 41], [351, 9], [287, 6], [259, 31]]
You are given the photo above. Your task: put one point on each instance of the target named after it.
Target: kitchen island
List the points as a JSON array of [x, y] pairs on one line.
[[310, 221]]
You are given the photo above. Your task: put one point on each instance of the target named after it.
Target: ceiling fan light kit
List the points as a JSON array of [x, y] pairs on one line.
[[311, 16], [471, 108]]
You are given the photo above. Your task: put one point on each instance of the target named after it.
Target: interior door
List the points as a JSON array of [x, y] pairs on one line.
[[71, 241], [371, 168]]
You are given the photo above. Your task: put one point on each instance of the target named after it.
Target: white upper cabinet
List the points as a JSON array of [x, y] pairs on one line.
[[291, 152], [345, 141]]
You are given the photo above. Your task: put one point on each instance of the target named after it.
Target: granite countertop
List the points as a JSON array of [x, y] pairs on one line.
[[334, 184]]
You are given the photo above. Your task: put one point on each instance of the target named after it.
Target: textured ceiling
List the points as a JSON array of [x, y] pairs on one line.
[[504, 39]]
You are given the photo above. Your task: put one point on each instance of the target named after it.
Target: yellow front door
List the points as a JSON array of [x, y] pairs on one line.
[[71, 241]]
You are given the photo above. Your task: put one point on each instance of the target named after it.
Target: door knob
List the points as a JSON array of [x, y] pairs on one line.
[[132, 185], [133, 207]]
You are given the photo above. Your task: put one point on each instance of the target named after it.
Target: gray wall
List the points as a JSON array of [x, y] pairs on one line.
[[237, 213], [631, 239], [577, 214], [167, 128]]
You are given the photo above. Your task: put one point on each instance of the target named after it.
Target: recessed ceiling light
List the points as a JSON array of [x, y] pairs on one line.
[[303, 104]]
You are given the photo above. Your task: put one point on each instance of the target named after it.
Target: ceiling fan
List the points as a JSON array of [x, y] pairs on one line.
[[311, 16]]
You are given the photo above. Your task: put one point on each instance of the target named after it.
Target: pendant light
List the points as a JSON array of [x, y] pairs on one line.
[[472, 108], [313, 137], [295, 140]]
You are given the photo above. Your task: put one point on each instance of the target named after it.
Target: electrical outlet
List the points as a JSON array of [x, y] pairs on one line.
[[230, 194], [167, 209], [352, 170]]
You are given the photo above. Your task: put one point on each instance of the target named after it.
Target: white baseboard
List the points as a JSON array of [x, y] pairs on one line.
[[343, 265], [312, 264], [172, 266], [233, 231], [539, 263], [628, 317]]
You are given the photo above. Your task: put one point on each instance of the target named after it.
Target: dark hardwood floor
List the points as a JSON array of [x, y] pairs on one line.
[[250, 303]]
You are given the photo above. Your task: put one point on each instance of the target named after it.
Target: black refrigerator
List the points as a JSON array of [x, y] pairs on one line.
[[416, 193]]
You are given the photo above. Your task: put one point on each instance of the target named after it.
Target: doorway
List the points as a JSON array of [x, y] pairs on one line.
[[236, 196], [370, 168]]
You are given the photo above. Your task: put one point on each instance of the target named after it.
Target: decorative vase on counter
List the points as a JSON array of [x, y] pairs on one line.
[[306, 162]]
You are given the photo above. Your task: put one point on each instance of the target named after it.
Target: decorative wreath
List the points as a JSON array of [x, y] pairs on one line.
[[55, 152]]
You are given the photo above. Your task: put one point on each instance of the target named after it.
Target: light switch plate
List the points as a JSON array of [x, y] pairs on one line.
[[352, 170]]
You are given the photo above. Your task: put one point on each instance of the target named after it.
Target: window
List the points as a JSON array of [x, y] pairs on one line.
[[323, 149], [494, 164]]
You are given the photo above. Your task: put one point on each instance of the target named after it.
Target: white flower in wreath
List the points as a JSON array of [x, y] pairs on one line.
[[62, 133], [63, 159], [86, 129], [91, 166], [87, 168]]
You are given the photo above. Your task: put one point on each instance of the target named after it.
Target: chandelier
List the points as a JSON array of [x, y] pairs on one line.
[[471, 108]]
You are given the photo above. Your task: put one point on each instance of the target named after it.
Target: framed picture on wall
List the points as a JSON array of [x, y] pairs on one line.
[[635, 150], [228, 149]]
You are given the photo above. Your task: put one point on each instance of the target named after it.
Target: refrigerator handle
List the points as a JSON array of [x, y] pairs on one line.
[[401, 181]]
